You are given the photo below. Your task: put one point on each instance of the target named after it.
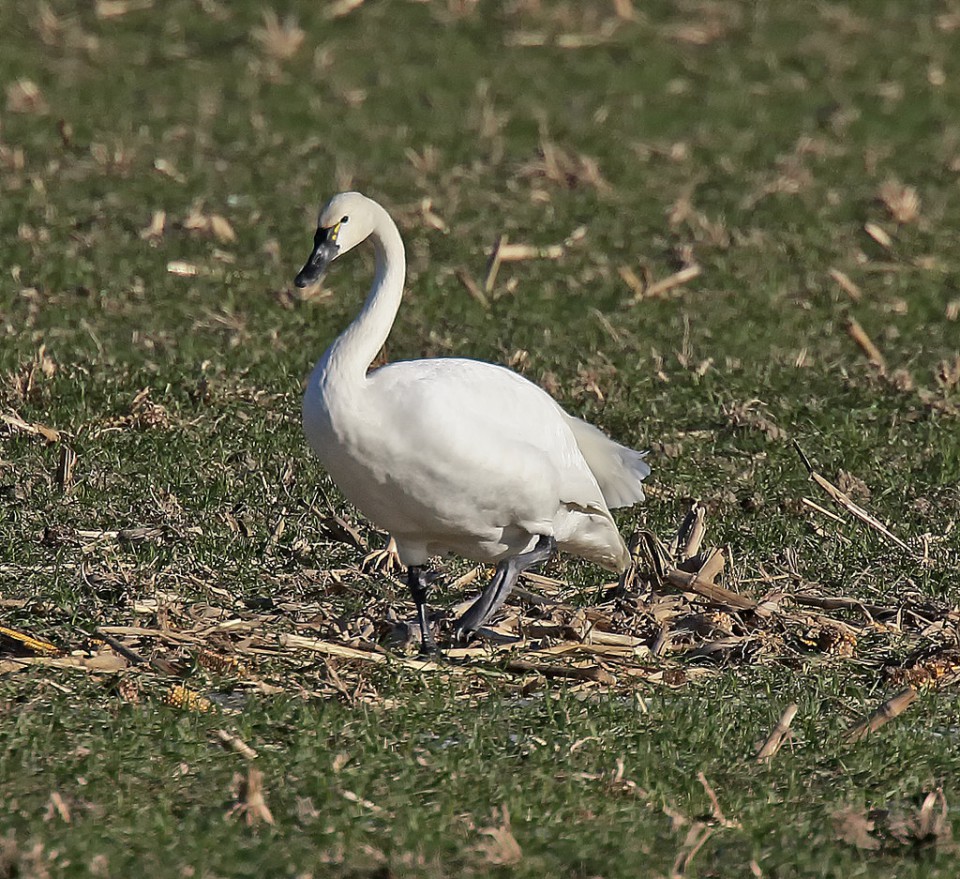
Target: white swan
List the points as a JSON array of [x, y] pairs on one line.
[[453, 455]]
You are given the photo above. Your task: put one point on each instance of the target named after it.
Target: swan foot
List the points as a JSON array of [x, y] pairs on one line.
[[500, 586], [418, 582], [386, 560]]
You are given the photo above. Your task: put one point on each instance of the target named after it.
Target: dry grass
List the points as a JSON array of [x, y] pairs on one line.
[[668, 622], [700, 232]]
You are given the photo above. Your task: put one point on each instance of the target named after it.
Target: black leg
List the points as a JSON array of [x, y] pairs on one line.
[[500, 586], [418, 584], [489, 601]]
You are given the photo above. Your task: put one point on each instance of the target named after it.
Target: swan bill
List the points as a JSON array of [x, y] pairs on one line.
[[325, 250]]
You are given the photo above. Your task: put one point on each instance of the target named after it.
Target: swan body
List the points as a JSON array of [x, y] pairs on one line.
[[453, 455]]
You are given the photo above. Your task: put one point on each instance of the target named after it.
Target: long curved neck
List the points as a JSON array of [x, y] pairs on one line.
[[354, 350]]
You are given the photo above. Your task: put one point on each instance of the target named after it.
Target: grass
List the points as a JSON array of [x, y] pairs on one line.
[[753, 139]]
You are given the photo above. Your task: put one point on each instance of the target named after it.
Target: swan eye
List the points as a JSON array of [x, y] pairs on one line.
[[344, 219]]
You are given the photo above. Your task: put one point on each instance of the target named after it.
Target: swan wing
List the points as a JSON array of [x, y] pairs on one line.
[[491, 424], [523, 409]]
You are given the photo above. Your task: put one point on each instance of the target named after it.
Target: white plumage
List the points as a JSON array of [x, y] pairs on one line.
[[453, 455]]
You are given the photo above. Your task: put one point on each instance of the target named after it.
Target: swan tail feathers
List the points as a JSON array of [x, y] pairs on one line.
[[619, 470]]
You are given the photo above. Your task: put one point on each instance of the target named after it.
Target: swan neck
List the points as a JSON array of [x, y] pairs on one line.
[[355, 349]]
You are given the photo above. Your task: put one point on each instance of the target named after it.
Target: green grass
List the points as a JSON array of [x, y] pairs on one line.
[[780, 131]]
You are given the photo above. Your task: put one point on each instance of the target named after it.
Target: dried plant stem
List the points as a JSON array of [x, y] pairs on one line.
[[697, 531], [692, 523], [823, 511], [697, 835], [493, 264], [712, 566], [778, 735], [675, 280], [591, 673], [131, 656], [68, 460], [472, 287], [889, 710], [237, 744], [843, 500], [865, 343], [715, 809], [848, 287], [330, 648], [717, 594]]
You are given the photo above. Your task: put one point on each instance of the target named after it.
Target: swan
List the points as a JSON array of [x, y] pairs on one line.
[[450, 455]]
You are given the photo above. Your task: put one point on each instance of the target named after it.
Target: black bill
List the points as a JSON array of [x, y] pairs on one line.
[[324, 250]]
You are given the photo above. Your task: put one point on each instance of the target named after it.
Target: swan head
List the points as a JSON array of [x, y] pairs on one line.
[[344, 221]]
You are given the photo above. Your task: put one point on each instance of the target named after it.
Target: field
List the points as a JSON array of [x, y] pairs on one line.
[[739, 227]]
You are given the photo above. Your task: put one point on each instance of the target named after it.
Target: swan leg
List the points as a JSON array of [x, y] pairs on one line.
[[500, 586], [418, 583]]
